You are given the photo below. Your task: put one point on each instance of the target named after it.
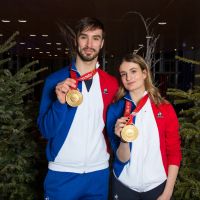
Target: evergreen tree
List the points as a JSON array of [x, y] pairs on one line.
[[17, 143], [188, 182]]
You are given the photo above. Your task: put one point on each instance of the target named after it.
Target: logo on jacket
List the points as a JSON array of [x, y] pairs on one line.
[[160, 115], [105, 91]]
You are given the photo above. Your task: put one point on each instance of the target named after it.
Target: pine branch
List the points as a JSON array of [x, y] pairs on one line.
[[8, 44], [2, 62], [188, 184], [17, 144], [187, 60]]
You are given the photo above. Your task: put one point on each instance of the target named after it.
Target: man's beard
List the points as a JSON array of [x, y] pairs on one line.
[[86, 57]]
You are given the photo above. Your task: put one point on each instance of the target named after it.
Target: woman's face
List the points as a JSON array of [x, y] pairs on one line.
[[132, 76]]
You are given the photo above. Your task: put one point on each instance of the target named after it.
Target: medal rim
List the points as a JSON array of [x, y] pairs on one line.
[[134, 135], [76, 103]]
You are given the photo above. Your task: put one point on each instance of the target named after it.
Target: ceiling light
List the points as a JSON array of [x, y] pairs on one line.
[[22, 20], [29, 48], [48, 43], [5, 20], [162, 23], [1, 34], [41, 52], [22, 43], [44, 35], [59, 49], [37, 48], [184, 44], [55, 55], [140, 45], [47, 52], [58, 43], [32, 35]]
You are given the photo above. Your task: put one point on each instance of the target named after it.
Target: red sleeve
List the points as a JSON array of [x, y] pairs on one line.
[[172, 138]]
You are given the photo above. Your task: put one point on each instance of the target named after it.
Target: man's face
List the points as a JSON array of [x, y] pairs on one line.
[[89, 44]]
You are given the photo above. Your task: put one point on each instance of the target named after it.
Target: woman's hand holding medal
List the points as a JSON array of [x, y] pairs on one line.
[[63, 87], [125, 127], [120, 124], [127, 132]]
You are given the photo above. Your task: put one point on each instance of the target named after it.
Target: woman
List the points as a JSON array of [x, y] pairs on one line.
[[147, 152]]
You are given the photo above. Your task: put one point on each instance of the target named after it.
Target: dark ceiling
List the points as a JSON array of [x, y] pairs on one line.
[[124, 32]]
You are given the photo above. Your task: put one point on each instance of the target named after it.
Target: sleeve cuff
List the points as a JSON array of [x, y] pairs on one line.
[[119, 162], [174, 162]]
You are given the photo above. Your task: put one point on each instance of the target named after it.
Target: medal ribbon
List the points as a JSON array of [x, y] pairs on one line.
[[84, 77], [127, 111]]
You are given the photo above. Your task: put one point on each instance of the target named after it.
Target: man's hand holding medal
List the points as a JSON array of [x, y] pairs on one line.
[[63, 88]]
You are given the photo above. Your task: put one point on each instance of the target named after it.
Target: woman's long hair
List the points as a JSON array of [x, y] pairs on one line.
[[153, 91]]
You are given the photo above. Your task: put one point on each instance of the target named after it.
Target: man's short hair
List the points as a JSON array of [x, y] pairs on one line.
[[89, 23]]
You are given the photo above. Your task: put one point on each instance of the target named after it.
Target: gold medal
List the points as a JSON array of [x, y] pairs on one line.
[[74, 98], [129, 133]]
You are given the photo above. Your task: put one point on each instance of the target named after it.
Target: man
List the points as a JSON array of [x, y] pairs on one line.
[[72, 117]]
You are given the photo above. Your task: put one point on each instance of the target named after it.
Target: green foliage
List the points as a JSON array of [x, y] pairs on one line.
[[17, 144], [188, 182]]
